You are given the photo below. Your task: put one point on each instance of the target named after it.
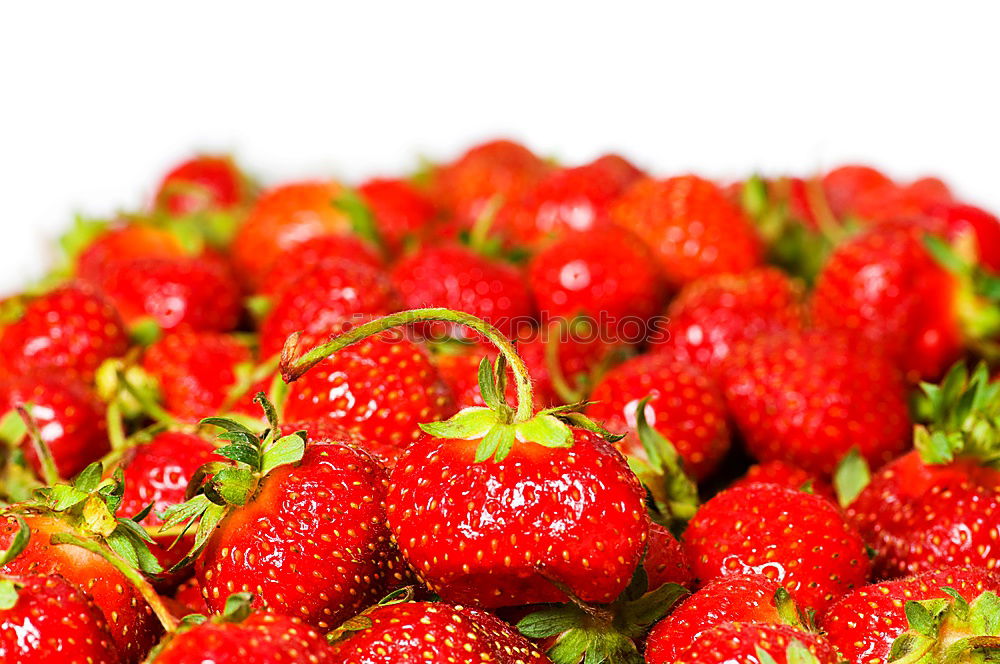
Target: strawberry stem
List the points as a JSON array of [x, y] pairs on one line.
[[50, 475], [292, 368]]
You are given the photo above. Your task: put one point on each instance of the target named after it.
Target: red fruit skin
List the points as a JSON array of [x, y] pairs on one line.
[[579, 356], [69, 416], [260, 639], [282, 218], [418, 632], [607, 275], [125, 243], [479, 533], [984, 227], [329, 430], [403, 213], [328, 295], [195, 371], [134, 628], [786, 475], [197, 293], [883, 289], [295, 263], [864, 623], [919, 517], [738, 642], [686, 407], [201, 184], [691, 227], [665, 560], [844, 186], [380, 389], [54, 621], [809, 398], [460, 372], [735, 598], [458, 278], [313, 542], [71, 329], [797, 539], [711, 316], [188, 599]]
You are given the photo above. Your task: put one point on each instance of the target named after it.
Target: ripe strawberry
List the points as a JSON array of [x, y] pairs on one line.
[[69, 416], [607, 275], [320, 298], [71, 329], [51, 620], [282, 218], [201, 184], [665, 560], [499, 168], [845, 186], [686, 407], [864, 623], [692, 228], [403, 214], [293, 264], [785, 474], [811, 397], [966, 220], [711, 316], [757, 643], [418, 632], [124, 243], [566, 200], [188, 598], [458, 278], [799, 540], [732, 598]]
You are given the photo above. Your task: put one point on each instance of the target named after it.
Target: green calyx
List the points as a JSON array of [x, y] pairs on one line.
[[795, 653], [497, 426], [964, 418], [672, 492], [218, 488], [977, 297], [362, 622], [950, 631], [363, 221], [851, 476]]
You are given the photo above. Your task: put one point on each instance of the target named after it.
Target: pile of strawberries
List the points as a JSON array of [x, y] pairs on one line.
[[507, 411]]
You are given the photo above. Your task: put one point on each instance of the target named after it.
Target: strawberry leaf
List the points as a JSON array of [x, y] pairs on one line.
[[242, 453], [17, 545], [497, 442], [227, 424], [12, 428], [8, 594], [851, 477], [467, 424], [237, 607], [544, 430], [286, 450]]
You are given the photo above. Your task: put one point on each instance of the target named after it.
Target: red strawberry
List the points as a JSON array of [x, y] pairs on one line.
[[785, 474], [458, 278], [710, 316], [733, 598], [459, 369], [403, 214], [124, 243], [811, 397], [864, 623], [293, 264], [71, 329], [756, 643], [843, 187], [800, 540], [188, 598], [69, 416], [686, 407], [202, 184], [259, 639], [320, 298], [963, 220], [419, 632], [607, 275], [51, 620], [692, 228], [665, 560], [282, 218], [564, 361]]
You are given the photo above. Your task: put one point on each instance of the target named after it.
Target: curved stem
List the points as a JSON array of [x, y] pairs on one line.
[[50, 474], [552, 362], [292, 368]]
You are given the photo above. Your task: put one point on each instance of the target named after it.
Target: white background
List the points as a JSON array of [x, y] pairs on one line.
[[98, 98]]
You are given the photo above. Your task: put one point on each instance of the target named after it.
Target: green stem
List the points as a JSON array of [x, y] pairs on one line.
[[135, 578], [50, 474], [292, 368], [559, 383], [116, 429], [481, 228], [148, 406]]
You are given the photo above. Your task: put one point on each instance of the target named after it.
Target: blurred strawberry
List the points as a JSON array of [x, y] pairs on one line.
[[785, 474], [403, 214], [202, 184]]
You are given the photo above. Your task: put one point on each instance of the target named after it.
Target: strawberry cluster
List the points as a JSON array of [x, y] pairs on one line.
[[507, 411]]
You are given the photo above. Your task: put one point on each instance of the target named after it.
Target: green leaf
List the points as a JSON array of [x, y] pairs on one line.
[[945, 255], [467, 424], [121, 544], [488, 387], [851, 477], [549, 622], [652, 606], [134, 530], [232, 485], [96, 516], [797, 653], [920, 619], [17, 545], [286, 450], [8, 594], [142, 514], [89, 477], [363, 222], [581, 421], [984, 614], [237, 607], [242, 453], [186, 511], [12, 428], [497, 442], [62, 497], [763, 656], [545, 430], [227, 424]]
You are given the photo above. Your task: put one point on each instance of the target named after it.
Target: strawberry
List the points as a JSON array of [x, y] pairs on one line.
[[864, 623], [665, 560], [800, 540], [300, 526], [403, 214], [45, 618], [710, 316], [692, 228], [188, 598], [71, 329], [757, 643], [607, 275], [844, 187], [564, 361], [966, 220], [808, 398], [105, 245], [201, 184], [731, 598], [458, 278], [686, 407], [785, 474], [293, 264], [412, 632], [458, 365], [282, 218], [69, 417]]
